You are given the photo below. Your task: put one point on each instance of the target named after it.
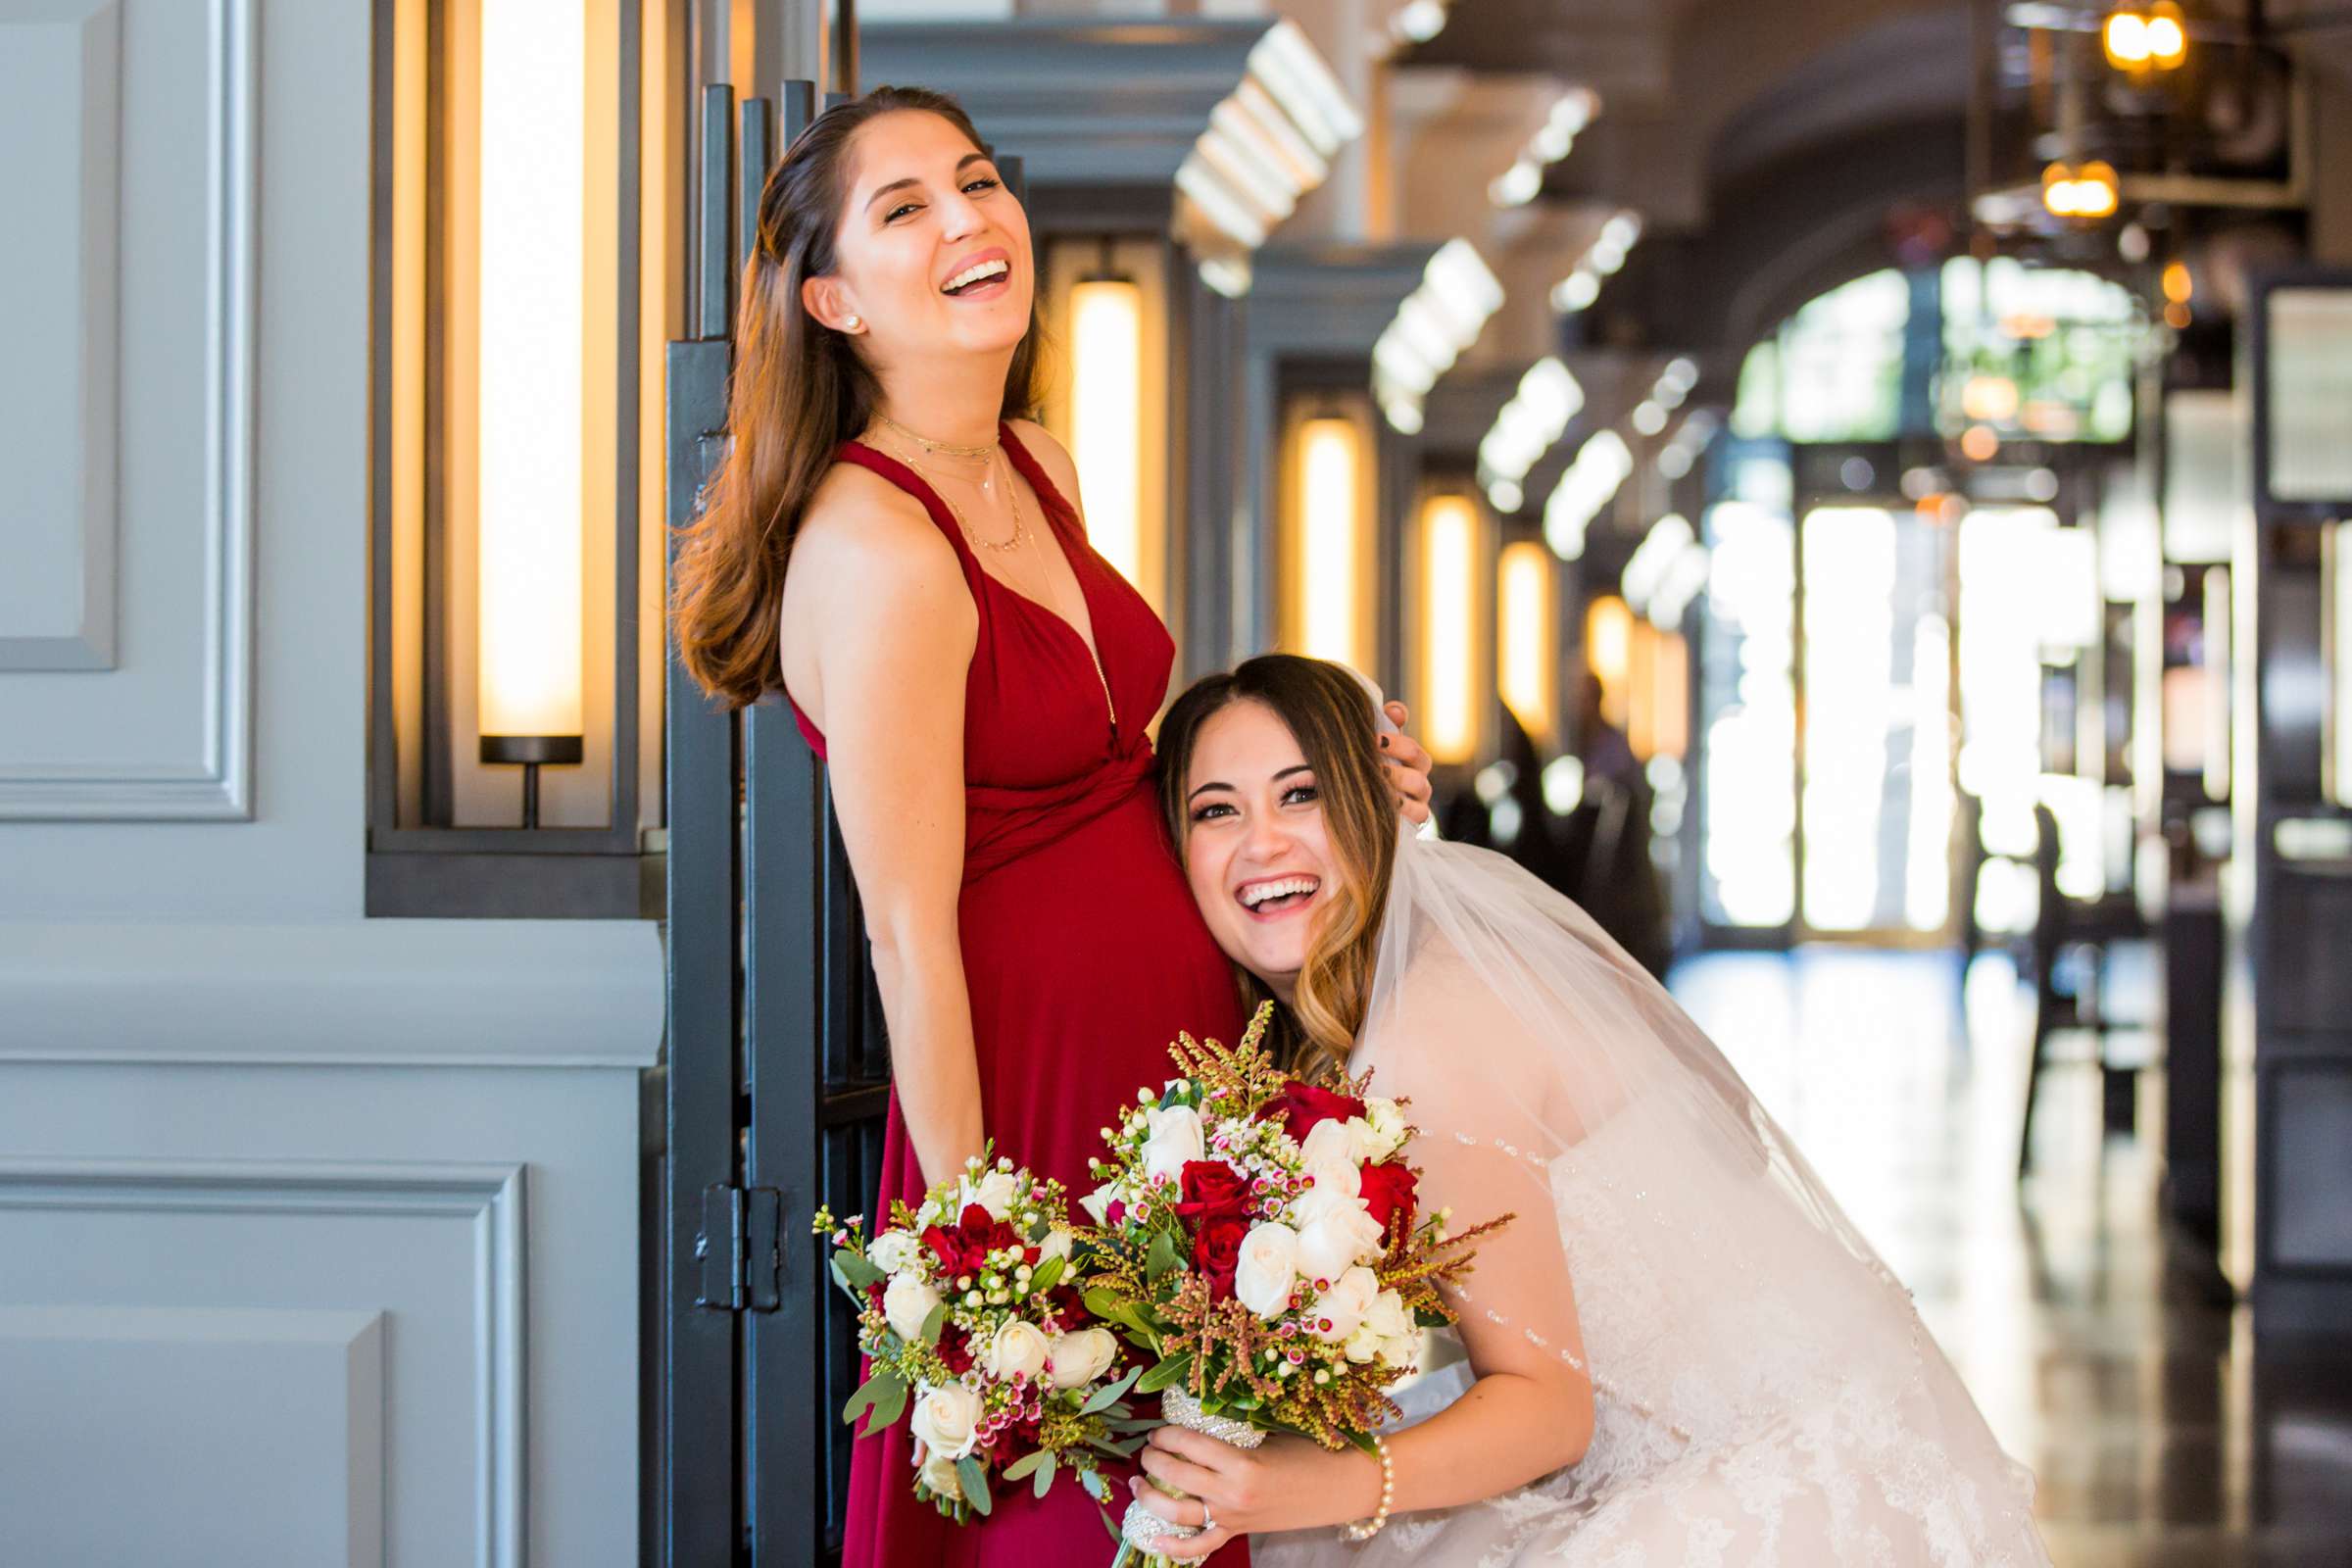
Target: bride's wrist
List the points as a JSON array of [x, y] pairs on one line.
[[1356, 1485]]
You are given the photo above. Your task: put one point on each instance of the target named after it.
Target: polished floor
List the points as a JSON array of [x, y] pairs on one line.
[[2161, 1437]]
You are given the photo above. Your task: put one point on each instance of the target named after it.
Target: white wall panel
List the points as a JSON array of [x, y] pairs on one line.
[[204, 1438], [60, 70], [165, 732]]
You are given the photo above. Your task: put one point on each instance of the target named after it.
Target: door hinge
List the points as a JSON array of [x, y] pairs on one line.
[[741, 1249]]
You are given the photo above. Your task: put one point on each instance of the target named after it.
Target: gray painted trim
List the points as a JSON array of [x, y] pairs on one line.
[[353, 992], [491, 1195], [218, 785]]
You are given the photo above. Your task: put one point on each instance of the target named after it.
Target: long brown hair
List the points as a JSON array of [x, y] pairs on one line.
[[798, 390], [1330, 714]]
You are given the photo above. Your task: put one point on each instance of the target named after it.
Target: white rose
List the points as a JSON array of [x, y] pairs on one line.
[[1334, 1178], [1082, 1356], [947, 1420], [1174, 1138], [1055, 1245], [937, 1472], [906, 1303], [1018, 1349], [1098, 1201], [1333, 1142], [994, 1192], [1338, 1311], [1262, 1280], [1336, 1236], [893, 1251], [1385, 1128]]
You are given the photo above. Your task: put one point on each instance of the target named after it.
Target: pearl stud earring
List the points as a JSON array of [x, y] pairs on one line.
[[849, 326]]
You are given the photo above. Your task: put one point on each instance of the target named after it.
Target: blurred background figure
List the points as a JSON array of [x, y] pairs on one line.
[[1852, 494]]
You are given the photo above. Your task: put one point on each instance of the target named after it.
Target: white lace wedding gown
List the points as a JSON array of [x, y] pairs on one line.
[[1764, 1390]]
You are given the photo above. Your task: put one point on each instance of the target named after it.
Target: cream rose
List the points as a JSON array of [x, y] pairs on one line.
[[1383, 1127], [1173, 1138], [1387, 1334], [1335, 1234], [906, 1303], [937, 1472], [994, 1192], [1262, 1280], [948, 1420], [893, 1251], [1333, 1142], [1018, 1349], [1081, 1357], [1056, 1244], [1098, 1202], [1338, 1311]]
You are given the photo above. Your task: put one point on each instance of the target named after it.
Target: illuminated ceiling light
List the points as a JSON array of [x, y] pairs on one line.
[[1516, 185], [1106, 332], [532, 386], [1526, 426], [1648, 417], [2177, 284], [1666, 540], [2085, 191], [1266, 144], [1978, 444], [2167, 35], [1441, 318], [1989, 399], [1419, 22], [1606, 256], [1592, 480], [2125, 39], [1506, 495], [2175, 315], [1448, 666]]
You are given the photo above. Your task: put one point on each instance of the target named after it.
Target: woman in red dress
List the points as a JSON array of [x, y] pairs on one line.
[[980, 683]]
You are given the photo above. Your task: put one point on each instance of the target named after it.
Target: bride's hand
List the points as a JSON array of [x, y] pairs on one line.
[[1286, 1483], [1407, 767]]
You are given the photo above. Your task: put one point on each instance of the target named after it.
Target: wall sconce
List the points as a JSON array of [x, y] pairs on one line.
[[2335, 647], [1449, 613], [1327, 565], [1609, 652], [1107, 345], [2086, 191], [531, 376], [1527, 637], [2140, 40]]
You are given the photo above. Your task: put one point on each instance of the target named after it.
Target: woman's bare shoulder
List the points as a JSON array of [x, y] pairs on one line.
[[864, 542], [1050, 454]]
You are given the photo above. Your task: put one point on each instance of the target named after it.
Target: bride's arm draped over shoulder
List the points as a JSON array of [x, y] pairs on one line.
[[879, 631]]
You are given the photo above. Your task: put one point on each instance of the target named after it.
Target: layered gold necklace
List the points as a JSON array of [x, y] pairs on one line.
[[991, 453]]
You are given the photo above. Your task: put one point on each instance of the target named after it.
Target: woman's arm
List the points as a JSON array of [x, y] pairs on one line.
[[878, 597]]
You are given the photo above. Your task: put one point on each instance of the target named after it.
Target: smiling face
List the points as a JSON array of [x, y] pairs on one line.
[[933, 251], [1261, 865]]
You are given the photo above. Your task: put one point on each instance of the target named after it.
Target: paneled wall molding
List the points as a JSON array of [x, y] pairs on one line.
[[556, 994], [216, 782], [490, 1196], [58, 613]]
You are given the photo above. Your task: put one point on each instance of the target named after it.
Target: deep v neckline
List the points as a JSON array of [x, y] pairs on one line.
[[1049, 503]]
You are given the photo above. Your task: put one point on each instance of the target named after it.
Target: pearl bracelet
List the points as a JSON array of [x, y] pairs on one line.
[[1365, 1529]]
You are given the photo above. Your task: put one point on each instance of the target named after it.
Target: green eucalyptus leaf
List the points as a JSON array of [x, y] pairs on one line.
[[855, 1271], [1026, 1463], [935, 1320], [1047, 1274], [1162, 1257], [975, 1484], [871, 1395], [1045, 1475], [1103, 1396], [889, 1405]]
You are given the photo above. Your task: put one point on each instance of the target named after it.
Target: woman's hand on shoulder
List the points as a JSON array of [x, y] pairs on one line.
[[1407, 766]]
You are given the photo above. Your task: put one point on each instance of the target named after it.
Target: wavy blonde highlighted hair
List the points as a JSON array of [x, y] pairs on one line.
[[1331, 715]]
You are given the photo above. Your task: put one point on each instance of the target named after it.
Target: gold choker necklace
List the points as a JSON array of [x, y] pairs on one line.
[[937, 448]]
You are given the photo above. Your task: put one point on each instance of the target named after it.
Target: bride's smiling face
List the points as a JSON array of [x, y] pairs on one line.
[[1256, 851]]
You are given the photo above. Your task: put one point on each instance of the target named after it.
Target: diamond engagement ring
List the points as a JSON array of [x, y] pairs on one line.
[[1209, 1521]]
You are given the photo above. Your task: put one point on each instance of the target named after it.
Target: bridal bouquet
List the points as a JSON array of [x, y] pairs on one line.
[[967, 1307], [1259, 1237]]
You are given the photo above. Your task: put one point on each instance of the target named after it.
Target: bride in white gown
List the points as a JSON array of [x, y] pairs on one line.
[[1680, 1352]]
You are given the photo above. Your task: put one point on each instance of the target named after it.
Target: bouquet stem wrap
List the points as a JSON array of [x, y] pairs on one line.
[[1143, 1528]]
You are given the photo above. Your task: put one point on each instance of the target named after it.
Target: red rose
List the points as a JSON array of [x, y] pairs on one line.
[[1212, 1186], [1217, 1251], [1302, 1105], [1390, 1190], [956, 1349], [954, 1252]]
